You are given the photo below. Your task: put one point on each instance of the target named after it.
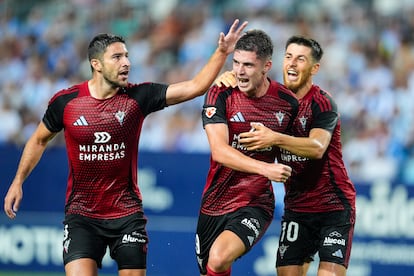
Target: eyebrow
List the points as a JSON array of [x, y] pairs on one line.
[[244, 63]]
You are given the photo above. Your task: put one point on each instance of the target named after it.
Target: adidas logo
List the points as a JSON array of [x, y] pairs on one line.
[[338, 253], [237, 118], [251, 239], [81, 122]]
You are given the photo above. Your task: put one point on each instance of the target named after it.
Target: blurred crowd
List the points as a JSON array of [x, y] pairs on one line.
[[368, 65]]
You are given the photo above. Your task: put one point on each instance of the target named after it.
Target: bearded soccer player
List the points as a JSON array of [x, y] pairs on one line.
[[319, 215], [102, 120]]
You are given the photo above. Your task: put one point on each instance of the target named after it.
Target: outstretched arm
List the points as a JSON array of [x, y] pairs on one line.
[[32, 153], [312, 147], [226, 155], [197, 86]]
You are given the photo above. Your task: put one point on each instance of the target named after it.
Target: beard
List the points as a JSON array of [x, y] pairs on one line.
[[113, 83], [295, 86]]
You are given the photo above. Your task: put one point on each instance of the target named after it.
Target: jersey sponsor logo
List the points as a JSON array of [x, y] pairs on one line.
[[210, 111], [102, 137], [235, 144], [127, 238], [238, 117], [102, 148], [332, 241], [286, 156], [335, 234], [81, 121], [252, 224], [334, 238], [101, 152]]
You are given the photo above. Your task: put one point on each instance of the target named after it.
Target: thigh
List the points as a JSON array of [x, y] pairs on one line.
[[84, 267], [128, 247], [337, 234], [208, 229], [82, 240], [249, 224], [298, 239]]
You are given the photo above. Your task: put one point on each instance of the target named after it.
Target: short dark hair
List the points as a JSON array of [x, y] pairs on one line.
[[256, 41], [316, 48], [99, 43]]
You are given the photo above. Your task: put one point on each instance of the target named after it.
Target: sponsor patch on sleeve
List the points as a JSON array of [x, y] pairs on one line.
[[210, 111]]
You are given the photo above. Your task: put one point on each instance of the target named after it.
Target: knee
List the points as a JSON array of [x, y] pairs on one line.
[[219, 261]]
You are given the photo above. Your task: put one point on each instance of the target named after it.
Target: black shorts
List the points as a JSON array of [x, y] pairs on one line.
[[88, 238], [248, 223], [302, 235]]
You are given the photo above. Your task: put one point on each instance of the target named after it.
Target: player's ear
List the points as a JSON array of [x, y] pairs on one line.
[[96, 64], [315, 68], [267, 67]]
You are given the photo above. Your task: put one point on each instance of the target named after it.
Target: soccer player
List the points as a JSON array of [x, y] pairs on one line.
[[319, 213], [238, 201], [102, 120]]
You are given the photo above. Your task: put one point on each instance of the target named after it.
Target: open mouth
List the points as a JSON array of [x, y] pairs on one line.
[[241, 80], [292, 75], [124, 74]]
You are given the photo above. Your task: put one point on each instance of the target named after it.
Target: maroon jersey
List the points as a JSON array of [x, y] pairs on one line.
[[227, 190], [102, 146], [318, 185]]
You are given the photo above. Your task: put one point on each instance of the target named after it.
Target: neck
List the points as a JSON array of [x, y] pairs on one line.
[[301, 92], [262, 89], [101, 90]]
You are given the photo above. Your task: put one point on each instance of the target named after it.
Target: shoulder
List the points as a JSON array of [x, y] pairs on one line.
[[215, 93], [281, 89], [284, 93], [67, 94], [323, 98], [145, 87]]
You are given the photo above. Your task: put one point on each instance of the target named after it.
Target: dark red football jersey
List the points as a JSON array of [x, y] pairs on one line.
[[102, 146], [318, 185], [227, 190]]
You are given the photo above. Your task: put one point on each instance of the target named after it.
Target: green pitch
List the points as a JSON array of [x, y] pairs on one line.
[[14, 273]]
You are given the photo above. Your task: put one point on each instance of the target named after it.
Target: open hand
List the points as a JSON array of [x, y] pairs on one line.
[[227, 42]]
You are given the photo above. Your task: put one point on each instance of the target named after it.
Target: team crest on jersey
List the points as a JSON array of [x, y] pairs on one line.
[[279, 116], [302, 121], [120, 116], [282, 250], [210, 111]]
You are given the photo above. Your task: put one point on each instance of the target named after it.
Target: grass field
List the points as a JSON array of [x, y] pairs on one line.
[[14, 273]]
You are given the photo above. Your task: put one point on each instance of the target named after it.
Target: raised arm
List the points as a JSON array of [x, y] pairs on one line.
[[31, 155], [187, 90], [312, 147], [226, 155]]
